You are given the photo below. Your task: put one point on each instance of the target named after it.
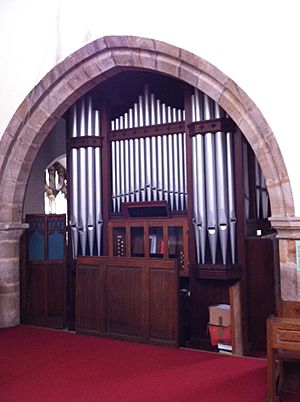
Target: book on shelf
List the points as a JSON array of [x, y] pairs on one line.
[[224, 348]]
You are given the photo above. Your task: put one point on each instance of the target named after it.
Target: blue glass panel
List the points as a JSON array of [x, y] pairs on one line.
[[36, 248], [56, 246]]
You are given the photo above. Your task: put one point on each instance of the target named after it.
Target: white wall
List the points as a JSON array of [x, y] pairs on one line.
[[53, 147], [255, 43]]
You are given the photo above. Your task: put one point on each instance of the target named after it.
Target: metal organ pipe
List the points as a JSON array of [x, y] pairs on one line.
[[91, 224], [131, 157], [142, 152], [159, 155], [154, 167], [136, 155], [200, 221], [148, 161], [74, 184], [153, 150], [98, 186], [211, 185], [86, 212], [231, 200], [222, 187], [82, 222]]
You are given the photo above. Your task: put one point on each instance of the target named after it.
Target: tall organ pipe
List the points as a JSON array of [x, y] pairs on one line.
[[176, 163], [142, 151], [75, 184], [118, 177], [98, 186], [148, 159], [231, 200], [222, 187], [90, 180], [153, 150], [199, 184], [131, 158], [82, 222], [127, 163], [165, 155], [122, 163], [160, 185], [170, 138], [211, 188], [181, 166], [136, 155], [113, 171]]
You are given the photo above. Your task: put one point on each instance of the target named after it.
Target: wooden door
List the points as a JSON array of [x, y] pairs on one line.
[[262, 288], [44, 272]]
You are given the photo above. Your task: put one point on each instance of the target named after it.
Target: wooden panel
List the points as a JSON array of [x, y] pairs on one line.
[[236, 318], [87, 298], [289, 309], [37, 287], [43, 271], [124, 307], [56, 291], [163, 304], [260, 290], [131, 298]]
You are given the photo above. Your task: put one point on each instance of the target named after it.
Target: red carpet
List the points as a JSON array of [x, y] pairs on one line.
[[40, 365]]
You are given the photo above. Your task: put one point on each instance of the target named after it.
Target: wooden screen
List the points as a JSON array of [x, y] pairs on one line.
[[43, 273], [130, 298]]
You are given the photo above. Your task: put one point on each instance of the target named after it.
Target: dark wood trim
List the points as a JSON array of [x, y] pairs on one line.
[[147, 131], [189, 169], [241, 229], [211, 126], [106, 175], [84, 142], [216, 271]]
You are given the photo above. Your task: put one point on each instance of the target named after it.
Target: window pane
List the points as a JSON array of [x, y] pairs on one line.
[[156, 242], [137, 242]]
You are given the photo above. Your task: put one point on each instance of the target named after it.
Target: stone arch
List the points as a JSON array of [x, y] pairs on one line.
[[91, 65]]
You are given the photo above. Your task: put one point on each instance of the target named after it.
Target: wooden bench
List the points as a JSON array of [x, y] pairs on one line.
[[283, 350]]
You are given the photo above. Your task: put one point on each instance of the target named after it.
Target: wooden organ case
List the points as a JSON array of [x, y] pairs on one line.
[[166, 201]]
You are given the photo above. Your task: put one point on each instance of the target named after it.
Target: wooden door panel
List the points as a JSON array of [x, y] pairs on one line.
[[261, 290], [124, 309], [163, 295], [131, 298], [38, 287], [56, 290], [87, 299], [44, 271]]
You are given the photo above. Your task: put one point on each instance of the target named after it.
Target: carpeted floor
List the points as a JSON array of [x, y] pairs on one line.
[[40, 365]]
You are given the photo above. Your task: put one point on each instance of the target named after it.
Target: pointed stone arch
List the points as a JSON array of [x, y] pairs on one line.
[[75, 76]]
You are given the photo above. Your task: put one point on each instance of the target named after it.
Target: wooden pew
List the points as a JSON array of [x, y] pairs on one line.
[[283, 348]]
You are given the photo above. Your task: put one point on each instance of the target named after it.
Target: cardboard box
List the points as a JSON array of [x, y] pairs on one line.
[[220, 315], [219, 334]]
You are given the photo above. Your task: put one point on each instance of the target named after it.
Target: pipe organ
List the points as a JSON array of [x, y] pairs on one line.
[[86, 175], [153, 178], [214, 217], [151, 168], [148, 146]]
